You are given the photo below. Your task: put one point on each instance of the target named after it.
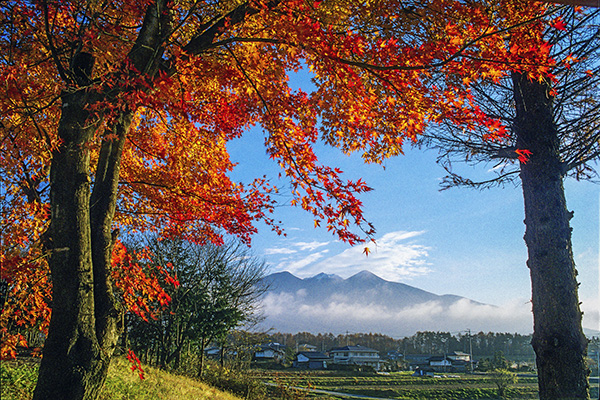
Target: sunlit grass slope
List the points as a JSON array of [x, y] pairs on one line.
[[18, 380]]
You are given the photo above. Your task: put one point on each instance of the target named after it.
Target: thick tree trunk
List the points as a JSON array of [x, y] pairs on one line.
[[558, 338], [86, 321], [86, 318]]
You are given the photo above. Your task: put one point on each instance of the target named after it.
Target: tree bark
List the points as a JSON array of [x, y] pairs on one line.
[[201, 363], [87, 319], [82, 334], [558, 339]]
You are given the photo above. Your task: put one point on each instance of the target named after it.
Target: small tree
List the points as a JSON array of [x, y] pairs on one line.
[[499, 362], [503, 378]]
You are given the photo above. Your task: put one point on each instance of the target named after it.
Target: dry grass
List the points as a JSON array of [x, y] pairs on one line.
[[124, 384], [18, 380]]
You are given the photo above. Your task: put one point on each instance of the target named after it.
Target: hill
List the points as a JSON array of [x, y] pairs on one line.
[[18, 381]]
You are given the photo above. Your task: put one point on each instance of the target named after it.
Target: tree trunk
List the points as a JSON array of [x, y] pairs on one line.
[[201, 364], [85, 322], [222, 356], [558, 339]]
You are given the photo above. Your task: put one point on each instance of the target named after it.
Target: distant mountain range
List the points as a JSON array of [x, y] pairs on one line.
[[367, 303], [363, 288]]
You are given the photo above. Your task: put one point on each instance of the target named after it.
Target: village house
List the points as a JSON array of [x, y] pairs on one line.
[[270, 352], [356, 355], [417, 361], [459, 356], [305, 347], [311, 360], [440, 363], [452, 362]]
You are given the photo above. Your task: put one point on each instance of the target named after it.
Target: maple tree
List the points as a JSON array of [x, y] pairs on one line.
[[557, 119], [116, 117]]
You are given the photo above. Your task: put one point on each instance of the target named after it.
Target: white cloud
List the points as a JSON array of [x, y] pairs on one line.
[[500, 167], [295, 247], [310, 246], [362, 313], [591, 313], [424, 312], [299, 264], [277, 304], [279, 250], [391, 258], [396, 256], [517, 311]]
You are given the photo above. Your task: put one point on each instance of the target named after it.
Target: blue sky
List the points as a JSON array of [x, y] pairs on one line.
[[459, 241]]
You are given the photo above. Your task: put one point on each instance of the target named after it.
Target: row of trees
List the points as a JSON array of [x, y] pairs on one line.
[[118, 114], [207, 293], [481, 344]]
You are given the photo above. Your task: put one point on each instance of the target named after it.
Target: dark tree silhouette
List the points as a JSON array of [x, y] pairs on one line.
[[558, 122]]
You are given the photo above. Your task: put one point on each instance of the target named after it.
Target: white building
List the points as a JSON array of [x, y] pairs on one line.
[[356, 355]]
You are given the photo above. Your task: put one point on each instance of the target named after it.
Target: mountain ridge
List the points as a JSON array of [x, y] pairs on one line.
[[362, 285], [365, 302]]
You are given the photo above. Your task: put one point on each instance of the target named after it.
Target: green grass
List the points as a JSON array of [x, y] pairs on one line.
[[403, 386], [17, 381]]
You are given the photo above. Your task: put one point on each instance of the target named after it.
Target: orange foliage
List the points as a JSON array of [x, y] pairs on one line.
[[383, 71], [140, 287]]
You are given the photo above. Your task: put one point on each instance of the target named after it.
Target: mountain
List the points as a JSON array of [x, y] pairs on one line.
[[367, 303]]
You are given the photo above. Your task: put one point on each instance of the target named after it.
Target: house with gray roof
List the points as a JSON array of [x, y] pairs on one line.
[[356, 355], [311, 360]]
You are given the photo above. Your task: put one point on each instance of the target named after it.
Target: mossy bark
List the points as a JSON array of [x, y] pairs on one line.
[[87, 319]]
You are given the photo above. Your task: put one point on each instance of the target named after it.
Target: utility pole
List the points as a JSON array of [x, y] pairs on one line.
[[470, 350]]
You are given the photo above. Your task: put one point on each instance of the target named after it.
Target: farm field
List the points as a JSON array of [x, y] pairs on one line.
[[400, 385]]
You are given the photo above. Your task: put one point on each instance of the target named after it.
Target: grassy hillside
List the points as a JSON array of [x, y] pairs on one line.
[[17, 381]]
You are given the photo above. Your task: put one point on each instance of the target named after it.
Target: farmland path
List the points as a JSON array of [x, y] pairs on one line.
[[340, 394]]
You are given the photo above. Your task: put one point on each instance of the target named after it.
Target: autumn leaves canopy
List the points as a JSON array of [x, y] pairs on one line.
[[382, 72]]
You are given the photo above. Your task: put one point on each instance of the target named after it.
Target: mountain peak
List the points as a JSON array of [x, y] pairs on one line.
[[323, 276], [365, 275], [367, 303]]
